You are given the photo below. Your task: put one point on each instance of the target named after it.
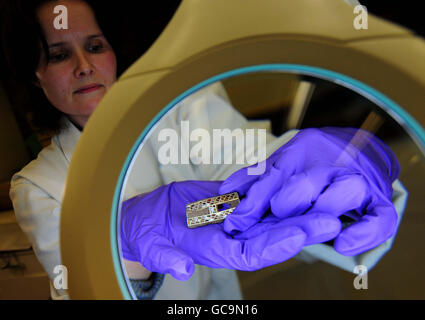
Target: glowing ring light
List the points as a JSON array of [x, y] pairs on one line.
[[384, 63]]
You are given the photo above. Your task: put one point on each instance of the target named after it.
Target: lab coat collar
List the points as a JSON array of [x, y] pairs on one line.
[[68, 138]]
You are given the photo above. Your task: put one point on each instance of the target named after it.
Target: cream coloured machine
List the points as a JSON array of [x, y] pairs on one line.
[[208, 41]]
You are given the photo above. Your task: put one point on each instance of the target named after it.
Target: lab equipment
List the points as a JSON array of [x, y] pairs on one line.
[[384, 63], [211, 210]]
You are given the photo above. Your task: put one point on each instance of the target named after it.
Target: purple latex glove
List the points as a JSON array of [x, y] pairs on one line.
[[339, 171], [154, 232]]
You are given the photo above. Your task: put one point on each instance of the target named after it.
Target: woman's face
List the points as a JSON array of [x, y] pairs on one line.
[[82, 64]]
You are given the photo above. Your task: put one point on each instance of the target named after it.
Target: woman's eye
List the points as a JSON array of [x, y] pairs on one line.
[[58, 57], [95, 48]]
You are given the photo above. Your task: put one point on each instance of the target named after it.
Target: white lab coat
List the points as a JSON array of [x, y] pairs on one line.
[[37, 190]]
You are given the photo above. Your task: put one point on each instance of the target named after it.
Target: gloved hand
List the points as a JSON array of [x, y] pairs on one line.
[[339, 171], [154, 232]]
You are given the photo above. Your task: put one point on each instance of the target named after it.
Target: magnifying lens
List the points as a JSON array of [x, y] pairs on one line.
[[311, 43]]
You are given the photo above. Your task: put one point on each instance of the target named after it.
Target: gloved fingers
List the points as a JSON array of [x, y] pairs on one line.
[[216, 249], [238, 181], [276, 245], [258, 189], [158, 254], [241, 181], [345, 193], [256, 202], [318, 227], [374, 228], [301, 190], [370, 145]]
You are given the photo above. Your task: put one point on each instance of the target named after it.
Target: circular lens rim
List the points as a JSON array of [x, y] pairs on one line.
[[414, 129]]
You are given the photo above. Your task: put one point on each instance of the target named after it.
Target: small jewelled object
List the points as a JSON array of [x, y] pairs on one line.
[[211, 210]]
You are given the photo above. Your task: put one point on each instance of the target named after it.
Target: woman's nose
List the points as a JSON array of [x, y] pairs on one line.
[[83, 65]]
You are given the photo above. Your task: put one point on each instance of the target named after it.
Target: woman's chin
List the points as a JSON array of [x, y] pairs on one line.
[[90, 103]]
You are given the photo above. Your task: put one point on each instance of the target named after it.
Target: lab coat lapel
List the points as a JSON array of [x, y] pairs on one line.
[[50, 168], [68, 139]]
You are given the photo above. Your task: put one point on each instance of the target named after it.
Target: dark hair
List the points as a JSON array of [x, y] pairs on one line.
[[21, 36]]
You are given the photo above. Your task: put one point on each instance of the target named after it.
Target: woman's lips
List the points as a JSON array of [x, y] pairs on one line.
[[88, 89]]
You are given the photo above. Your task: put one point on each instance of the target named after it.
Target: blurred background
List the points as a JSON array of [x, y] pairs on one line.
[[288, 101]]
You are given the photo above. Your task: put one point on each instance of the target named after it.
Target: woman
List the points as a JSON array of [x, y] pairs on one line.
[[75, 69]]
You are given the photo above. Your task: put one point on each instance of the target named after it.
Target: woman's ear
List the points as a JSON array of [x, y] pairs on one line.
[[36, 82]]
